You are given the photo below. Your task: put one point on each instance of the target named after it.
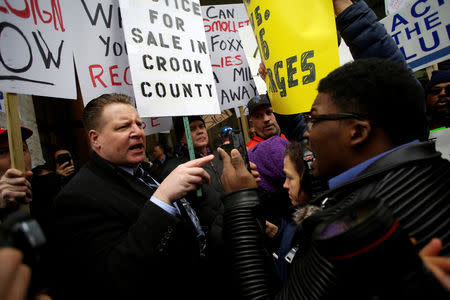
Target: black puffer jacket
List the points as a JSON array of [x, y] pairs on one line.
[[412, 183]]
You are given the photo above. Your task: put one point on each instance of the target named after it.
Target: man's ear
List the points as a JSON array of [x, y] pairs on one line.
[[360, 132], [94, 138], [251, 122]]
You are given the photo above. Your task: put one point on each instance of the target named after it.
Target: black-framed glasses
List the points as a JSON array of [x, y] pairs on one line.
[[311, 120]]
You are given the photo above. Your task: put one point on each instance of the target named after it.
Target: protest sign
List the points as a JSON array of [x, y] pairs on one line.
[[234, 81], [421, 30], [101, 55], [100, 50], [391, 6], [169, 59], [441, 137], [36, 49], [253, 57], [298, 44], [154, 125]]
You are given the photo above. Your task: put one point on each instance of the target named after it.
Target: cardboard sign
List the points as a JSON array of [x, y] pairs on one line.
[[36, 49], [169, 59], [155, 125], [100, 51], [421, 30], [298, 44], [234, 81]]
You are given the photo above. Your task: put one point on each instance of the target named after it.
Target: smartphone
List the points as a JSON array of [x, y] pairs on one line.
[[310, 183], [237, 142], [62, 158]]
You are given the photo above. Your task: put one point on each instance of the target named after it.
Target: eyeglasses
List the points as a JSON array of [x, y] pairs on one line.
[[311, 120], [437, 90]]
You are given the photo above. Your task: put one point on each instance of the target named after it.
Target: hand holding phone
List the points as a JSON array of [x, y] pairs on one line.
[[64, 166], [234, 175], [237, 142], [62, 158]]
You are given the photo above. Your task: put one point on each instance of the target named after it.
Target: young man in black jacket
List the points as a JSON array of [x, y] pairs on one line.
[[366, 131]]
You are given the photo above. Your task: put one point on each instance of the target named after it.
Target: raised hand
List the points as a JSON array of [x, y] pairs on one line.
[[185, 178], [438, 265], [235, 175]]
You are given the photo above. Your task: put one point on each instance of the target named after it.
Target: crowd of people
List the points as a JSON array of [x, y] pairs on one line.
[[347, 201]]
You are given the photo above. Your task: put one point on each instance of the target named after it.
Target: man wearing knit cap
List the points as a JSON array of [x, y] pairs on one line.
[[438, 95], [199, 136], [208, 205], [14, 184]]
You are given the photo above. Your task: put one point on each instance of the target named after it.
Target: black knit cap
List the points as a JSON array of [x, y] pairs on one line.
[[179, 126], [438, 76]]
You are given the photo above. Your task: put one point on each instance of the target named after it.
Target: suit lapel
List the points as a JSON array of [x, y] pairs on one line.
[[135, 183], [116, 174]]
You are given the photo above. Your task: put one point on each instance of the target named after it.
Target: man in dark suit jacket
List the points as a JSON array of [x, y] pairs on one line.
[[117, 237]]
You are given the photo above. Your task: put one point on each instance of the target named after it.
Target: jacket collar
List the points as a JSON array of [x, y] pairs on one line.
[[401, 157], [409, 154], [110, 170]]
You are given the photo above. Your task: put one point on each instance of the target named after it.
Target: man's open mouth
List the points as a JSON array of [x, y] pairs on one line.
[[137, 146]]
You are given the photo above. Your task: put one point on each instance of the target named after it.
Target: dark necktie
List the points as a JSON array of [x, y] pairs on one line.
[[145, 177], [189, 213], [185, 208]]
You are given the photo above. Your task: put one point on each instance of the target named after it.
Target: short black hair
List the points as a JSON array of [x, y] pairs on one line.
[[62, 147], [40, 168], [383, 91], [93, 111]]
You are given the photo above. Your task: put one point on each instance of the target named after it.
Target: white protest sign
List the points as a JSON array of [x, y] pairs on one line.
[[169, 59], [103, 67], [345, 55], [36, 49], [234, 81], [100, 51], [421, 30], [253, 56], [442, 139], [391, 6], [154, 125]]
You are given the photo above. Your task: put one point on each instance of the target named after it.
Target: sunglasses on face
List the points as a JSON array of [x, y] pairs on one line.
[[437, 90]]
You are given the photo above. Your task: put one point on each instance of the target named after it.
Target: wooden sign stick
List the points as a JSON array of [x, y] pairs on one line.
[[14, 136], [244, 124]]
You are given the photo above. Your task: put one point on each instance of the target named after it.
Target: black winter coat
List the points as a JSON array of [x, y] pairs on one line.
[[411, 183], [112, 242]]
